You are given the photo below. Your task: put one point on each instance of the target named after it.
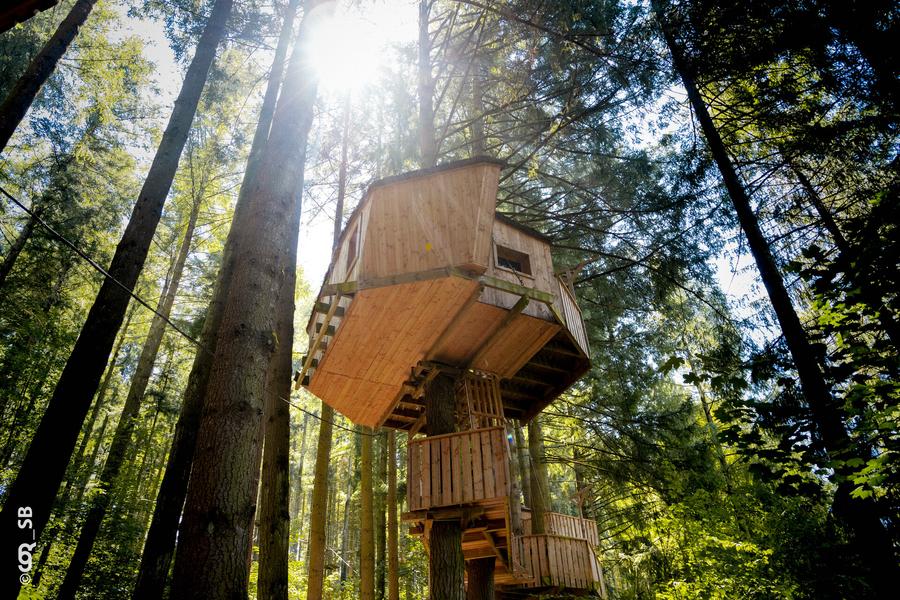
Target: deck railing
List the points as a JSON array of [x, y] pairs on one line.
[[566, 526], [561, 562], [572, 314], [458, 468]]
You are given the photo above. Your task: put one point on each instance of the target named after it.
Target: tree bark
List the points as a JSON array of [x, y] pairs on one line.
[[44, 466], [861, 517], [393, 559], [39, 70], [446, 566], [522, 458], [427, 147], [274, 512], [366, 524], [540, 486], [480, 575], [128, 419], [18, 245], [214, 535]]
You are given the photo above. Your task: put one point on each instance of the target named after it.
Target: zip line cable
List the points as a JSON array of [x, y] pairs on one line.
[[71, 245]]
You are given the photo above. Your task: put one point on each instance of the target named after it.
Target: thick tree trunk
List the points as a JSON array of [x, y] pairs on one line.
[[128, 419], [393, 558], [540, 486], [446, 565], [480, 575], [861, 517], [366, 521], [159, 546], [274, 512], [45, 464], [39, 70], [214, 534], [427, 147]]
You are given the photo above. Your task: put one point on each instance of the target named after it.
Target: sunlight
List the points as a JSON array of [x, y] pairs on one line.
[[349, 49]]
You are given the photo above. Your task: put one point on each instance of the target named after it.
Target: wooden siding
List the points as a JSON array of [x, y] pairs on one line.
[[457, 468], [542, 277], [566, 526], [572, 314], [561, 562], [435, 220]]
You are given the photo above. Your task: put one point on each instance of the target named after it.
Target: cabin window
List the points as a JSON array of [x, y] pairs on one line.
[[507, 258], [352, 248]]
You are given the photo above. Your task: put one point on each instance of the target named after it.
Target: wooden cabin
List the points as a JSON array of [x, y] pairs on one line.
[[428, 273]]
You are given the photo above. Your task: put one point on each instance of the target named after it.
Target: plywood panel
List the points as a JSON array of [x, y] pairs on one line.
[[518, 343], [384, 333], [438, 219]]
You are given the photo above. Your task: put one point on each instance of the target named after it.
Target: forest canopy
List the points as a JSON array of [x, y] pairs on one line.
[[718, 186]]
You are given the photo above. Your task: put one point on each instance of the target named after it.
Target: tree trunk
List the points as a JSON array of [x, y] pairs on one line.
[[352, 478], [297, 494], [861, 517], [274, 512], [446, 565], [213, 537], [39, 70], [427, 148], [128, 419], [480, 575], [159, 546], [540, 486], [18, 245], [522, 458], [366, 525], [44, 467], [393, 557], [477, 126], [380, 525], [315, 555]]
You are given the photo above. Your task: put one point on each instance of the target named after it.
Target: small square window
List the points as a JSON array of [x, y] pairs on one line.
[[508, 258]]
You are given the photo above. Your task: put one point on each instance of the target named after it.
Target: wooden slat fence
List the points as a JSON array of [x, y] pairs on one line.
[[566, 526], [561, 562], [458, 468], [572, 314]]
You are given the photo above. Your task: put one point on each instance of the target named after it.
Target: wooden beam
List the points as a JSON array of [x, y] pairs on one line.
[[324, 307], [318, 340], [490, 540]]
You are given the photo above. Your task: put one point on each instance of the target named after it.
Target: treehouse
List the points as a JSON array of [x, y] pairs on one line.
[[427, 273], [466, 477]]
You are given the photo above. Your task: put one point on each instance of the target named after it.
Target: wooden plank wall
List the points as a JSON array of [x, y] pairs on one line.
[[542, 277], [458, 468], [572, 314], [437, 220], [560, 562], [567, 526]]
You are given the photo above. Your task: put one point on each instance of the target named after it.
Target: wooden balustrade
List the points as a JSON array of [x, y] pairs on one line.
[[560, 562], [566, 526], [572, 314], [458, 468]]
